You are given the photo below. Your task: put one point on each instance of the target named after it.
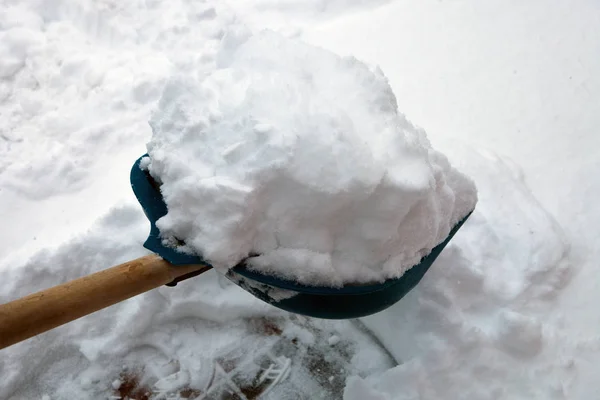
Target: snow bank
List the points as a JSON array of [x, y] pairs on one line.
[[476, 326], [74, 110], [169, 339], [300, 156]]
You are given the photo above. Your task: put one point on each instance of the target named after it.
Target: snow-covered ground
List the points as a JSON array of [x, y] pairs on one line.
[[509, 90]]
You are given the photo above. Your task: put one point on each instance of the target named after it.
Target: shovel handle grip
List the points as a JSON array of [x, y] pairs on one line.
[[39, 312]]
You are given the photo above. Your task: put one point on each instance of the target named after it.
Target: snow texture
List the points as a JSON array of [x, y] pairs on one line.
[[509, 309], [336, 187], [474, 324]]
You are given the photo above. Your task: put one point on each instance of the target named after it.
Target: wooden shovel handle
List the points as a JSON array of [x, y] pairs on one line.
[[39, 312]]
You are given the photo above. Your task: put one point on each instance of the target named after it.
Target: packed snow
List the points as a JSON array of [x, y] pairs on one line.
[[336, 187], [506, 90]]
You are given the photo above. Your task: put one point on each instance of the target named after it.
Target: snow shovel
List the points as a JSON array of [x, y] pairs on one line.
[[47, 309]]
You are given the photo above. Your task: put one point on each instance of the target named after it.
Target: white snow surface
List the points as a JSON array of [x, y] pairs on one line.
[[336, 187], [475, 323], [508, 311]]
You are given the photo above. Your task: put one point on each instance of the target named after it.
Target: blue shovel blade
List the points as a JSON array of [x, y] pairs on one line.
[[314, 301]]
